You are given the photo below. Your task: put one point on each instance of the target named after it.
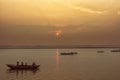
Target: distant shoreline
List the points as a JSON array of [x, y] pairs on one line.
[[54, 47]]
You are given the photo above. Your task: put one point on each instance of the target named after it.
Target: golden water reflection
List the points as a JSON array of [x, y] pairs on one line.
[[57, 59], [22, 72]]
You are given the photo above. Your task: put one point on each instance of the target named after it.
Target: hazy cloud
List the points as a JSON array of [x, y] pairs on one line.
[[88, 10]]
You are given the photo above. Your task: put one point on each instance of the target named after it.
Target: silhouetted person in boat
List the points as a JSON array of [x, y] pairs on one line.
[[34, 64], [17, 63]]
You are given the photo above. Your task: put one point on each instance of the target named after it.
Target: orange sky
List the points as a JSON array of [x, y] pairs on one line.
[[60, 22]]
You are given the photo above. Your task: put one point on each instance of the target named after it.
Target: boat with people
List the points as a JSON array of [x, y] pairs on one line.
[[22, 66], [115, 50], [69, 53], [100, 51]]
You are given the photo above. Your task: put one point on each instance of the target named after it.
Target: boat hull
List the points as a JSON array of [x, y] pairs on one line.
[[115, 51], [71, 53], [26, 67]]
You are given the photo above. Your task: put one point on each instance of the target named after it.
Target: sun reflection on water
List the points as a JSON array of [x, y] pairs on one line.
[[57, 60]]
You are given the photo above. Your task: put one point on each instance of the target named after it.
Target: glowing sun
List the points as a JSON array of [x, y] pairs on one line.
[[58, 33]]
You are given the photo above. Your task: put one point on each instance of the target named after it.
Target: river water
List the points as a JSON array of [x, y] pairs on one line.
[[88, 64]]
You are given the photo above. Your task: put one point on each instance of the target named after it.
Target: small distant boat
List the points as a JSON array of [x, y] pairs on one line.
[[21, 67], [69, 53], [115, 50], [100, 51]]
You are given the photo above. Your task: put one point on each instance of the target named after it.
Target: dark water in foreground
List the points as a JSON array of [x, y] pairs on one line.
[[86, 65]]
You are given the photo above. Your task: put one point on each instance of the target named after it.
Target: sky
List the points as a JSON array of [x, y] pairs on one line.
[[59, 22]]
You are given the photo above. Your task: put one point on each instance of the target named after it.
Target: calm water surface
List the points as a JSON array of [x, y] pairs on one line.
[[86, 65]]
